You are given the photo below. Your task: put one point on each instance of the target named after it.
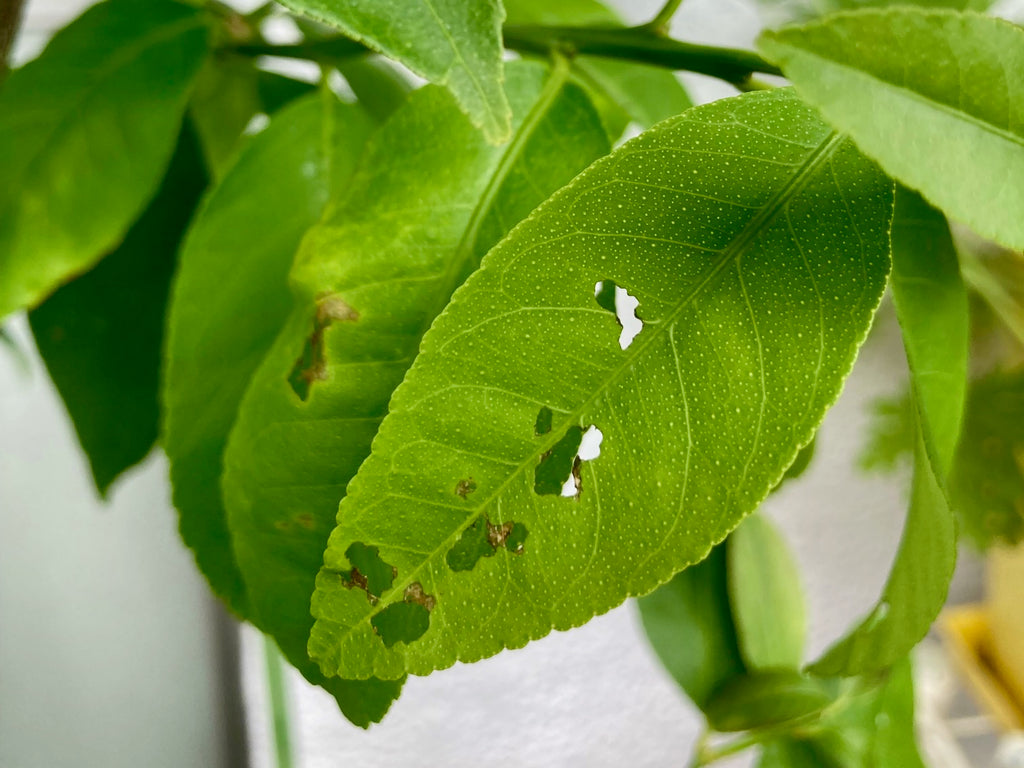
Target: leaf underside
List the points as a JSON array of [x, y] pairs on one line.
[[732, 226]]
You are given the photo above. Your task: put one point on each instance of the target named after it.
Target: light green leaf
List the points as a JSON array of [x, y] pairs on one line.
[[936, 97], [456, 43], [784, 11], [623, 90], [891, 434], [368, 282], [931, 303], [917, 585], [895, 743], [86, 131], [100, 335], [231, 297], [690, 627], [765, 700], [731, 226], [766, 596]]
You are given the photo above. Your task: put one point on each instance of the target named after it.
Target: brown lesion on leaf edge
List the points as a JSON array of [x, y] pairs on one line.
[[311, 365], [414, 593]]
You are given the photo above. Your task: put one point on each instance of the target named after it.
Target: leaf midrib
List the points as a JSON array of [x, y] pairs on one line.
[[824, 151]]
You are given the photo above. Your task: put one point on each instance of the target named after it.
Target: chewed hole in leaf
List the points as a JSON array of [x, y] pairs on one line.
[[558, 473], [590, 449], [311, 366], [406, 621], [483, 539], [543, 424], [622, 304], [369, 571]]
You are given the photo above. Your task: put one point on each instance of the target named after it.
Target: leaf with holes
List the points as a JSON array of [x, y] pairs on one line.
[[236, 257], [367, 284], [86, 132], [456, 44], [731, 227], [950, 127]]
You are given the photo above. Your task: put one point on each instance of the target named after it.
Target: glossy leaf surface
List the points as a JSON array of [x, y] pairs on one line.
[[949, 125], [230, 298], [456, 43], [731, 226], [368, 282], [101, 334], [86, 131], [766, 596]]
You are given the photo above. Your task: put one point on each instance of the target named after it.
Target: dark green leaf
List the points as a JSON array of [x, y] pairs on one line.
[[380, 88], [764, 700], [766, 596], [731, 226], [86, 131], [801, 462], [225, 99], [367, 284], [690, 626], [101, 335], [456, 44], [936, 97]]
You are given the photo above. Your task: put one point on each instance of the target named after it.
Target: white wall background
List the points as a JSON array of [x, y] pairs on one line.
[[107, 652]]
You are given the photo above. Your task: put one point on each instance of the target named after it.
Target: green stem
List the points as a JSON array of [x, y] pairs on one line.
[[660, 23], [631, 44], [278, 703]]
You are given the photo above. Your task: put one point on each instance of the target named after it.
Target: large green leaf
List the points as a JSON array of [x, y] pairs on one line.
[[456, 43], [731, 225], [86, 131], [931, 304], [230, 299], [368, 282], [691, 628], [784, 11], [766, 596], [640, 92], [936, 97], [100, 335]]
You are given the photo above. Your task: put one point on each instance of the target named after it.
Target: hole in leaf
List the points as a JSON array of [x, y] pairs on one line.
[[465, 487], [623, 305], [405, 621], [312, 363], [590, 449], [555, 466], [543, 425], [369, 571], [483, 539]]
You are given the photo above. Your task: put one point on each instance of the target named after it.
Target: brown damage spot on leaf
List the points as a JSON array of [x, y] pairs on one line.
[[306, 520], [369, 572], [311, 365], [414, 594], [465, 487]]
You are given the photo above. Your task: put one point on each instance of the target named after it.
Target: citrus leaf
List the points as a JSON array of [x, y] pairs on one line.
[[950, 127], [765, 700], [787, 11], [456, 43], [690, 627], [766, 596], [86, 132], [367, 283], [236, 259], [731, 226], [225, 98], [101, 334]]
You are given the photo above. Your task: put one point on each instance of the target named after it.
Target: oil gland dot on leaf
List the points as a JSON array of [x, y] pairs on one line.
[[311, 365], [623, 305]]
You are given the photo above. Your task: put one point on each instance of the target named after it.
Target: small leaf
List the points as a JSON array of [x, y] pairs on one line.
[[764, 700], [931, 303], [378, 85], [225, 98], [766, 596], [690, 627], [101, 334], [86, 132], [801, 463], [731, 227], [456, 44], [935, 97]]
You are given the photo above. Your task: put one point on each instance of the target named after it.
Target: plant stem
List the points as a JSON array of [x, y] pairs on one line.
[[638, 44], [660, 23], [278, 704]]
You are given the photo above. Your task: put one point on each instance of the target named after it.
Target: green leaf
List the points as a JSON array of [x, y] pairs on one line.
[[948, 126], [765, 700], [225, 98], [690, 627], [367, 284], [380, 88], [785, 11], [456, 43], [801, 463], [642, 93], [891, 434], [86, 132], [917, 585], [231, 297], [766, 596], [987, 482], [931, 304], [100, 335], [731, 226], [895, 744]]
